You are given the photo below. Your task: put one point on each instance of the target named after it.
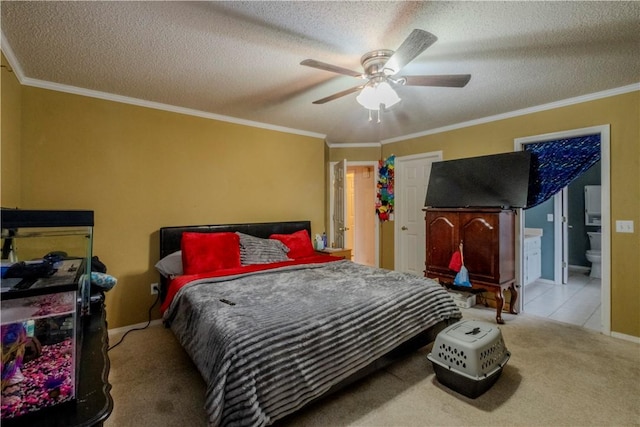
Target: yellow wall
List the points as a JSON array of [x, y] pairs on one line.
[[354, 154], [140, 169], [10, 125], [622, 112]]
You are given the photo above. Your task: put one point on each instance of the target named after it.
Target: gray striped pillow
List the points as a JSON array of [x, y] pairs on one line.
[[254, 250]]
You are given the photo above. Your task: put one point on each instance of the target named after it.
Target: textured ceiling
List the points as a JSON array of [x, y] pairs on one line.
[[242, 59]]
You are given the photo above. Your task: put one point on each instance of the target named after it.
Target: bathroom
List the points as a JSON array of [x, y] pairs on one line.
[[582, 274], [579, 244]]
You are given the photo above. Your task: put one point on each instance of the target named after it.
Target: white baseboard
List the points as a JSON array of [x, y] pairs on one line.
[[547, 281], [125, 329], [626, 337]]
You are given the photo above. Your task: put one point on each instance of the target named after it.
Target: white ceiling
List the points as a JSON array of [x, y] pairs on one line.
[[241, 60]]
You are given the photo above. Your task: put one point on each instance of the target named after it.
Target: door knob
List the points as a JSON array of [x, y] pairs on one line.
[[404, 228]]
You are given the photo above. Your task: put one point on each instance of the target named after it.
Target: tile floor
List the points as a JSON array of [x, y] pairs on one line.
[[577, 302]]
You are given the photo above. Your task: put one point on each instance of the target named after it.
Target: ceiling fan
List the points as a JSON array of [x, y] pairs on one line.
[[381, 68]]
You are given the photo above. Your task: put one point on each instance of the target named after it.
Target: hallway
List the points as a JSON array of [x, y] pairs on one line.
[[577, 302]]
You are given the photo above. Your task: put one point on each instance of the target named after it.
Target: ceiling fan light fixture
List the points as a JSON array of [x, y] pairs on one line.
[[368, 99], [381, 93], [387, 95]]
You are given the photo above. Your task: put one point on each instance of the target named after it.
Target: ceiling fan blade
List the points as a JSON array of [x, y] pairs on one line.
[[449, 80], [328, 67], [338, 95], [417, 42]]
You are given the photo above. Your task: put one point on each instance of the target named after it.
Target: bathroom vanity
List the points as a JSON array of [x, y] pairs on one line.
[[532, 258]]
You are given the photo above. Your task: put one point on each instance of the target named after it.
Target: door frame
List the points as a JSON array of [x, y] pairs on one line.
[[374, 165], [399, 163], [338, 215], [605, 178]]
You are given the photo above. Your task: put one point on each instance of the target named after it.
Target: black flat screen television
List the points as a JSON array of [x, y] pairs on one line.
[[498, 180]]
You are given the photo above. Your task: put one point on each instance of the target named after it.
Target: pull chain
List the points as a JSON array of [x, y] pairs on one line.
[[379, 120]]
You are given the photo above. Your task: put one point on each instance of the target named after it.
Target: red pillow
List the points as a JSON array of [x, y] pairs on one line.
[[206, 252], [299, 243]]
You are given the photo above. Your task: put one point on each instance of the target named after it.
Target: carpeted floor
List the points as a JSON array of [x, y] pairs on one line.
[[558, 375]]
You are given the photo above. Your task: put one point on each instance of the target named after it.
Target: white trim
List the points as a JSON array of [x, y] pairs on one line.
[[546, 281], [11, 57], [164, 107], [27, 81], [605, 173], [626, 337], [557, 231], [332, 177], [127, 328], [544, 107], [353, 145], [331, 204]]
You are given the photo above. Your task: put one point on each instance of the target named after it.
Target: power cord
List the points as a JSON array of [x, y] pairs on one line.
[[137, 329]]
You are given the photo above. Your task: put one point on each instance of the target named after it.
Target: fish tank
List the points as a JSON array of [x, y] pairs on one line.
[[44, 257], [39, 346]]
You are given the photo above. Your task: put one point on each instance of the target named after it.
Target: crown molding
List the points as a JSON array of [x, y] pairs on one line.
[[165, 107], [544, 107], [11, 57], [27, 81], [354, 145]]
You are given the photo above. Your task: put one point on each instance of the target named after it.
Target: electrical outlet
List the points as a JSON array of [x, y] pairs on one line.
[[154, 288], [624, 226]]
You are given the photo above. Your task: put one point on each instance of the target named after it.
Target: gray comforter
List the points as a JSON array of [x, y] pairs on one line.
[[286, 336]]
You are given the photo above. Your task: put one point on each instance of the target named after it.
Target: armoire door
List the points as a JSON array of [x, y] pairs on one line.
[[441, 241], [479, 233]]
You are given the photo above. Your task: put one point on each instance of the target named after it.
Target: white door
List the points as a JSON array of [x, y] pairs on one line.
[[350, 218], [339, 205], [411, 180], [564, 194], [560, 237]]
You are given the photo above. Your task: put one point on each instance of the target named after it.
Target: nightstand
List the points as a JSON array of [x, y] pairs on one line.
[[342, 253]]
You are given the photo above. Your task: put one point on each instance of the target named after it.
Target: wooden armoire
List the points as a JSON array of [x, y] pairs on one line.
[[488, 238]]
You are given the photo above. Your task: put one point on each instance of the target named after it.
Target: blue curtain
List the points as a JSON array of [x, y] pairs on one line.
[[554, 164]]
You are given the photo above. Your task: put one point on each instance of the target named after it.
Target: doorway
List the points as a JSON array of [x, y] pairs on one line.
[[361, 219], [356, 203], [559, 218]]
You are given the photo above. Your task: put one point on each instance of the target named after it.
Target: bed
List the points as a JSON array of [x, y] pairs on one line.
[[275, 332]]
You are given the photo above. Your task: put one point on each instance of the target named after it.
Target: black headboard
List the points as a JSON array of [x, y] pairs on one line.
[[170, 237]]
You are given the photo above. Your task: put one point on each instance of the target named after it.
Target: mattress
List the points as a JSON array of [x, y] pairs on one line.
[[267, 342]]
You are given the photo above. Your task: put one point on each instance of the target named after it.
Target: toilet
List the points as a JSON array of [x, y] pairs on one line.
[[594, 255]]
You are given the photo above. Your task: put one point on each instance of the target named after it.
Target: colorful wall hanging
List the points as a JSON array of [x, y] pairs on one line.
[[384, 202]]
